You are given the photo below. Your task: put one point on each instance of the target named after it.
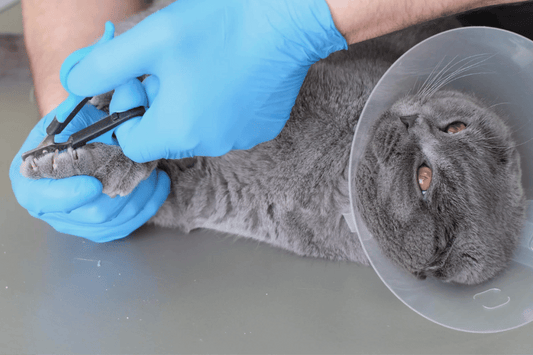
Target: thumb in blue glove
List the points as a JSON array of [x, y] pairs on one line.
[[226, 73]]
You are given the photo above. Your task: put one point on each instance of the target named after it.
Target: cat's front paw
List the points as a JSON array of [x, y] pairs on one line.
[[118, 174]]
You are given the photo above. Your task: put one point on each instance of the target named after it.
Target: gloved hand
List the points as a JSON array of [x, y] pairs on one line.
[[225, 73], [76, 205]]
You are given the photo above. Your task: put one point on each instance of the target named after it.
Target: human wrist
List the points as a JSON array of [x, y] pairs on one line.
[[322, 35], [359, 20], [47, 88]]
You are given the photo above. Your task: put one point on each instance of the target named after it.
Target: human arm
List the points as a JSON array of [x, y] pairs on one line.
[[77, 23], [360, 20], [55, 28], [226, 73]]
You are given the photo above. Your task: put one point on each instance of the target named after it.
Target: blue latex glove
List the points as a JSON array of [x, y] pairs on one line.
[[225, 73], [76, 205]]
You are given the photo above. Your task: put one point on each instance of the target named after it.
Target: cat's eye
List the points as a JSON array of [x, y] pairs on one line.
[[455, 127], [424, 176]]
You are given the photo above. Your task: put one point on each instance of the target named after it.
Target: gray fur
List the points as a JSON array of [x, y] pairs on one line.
[[467, 225], [291, 192]]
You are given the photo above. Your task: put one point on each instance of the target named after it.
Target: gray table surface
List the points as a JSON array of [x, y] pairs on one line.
[[159, 291]]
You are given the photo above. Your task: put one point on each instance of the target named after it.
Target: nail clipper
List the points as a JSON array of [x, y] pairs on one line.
[[81, 137]]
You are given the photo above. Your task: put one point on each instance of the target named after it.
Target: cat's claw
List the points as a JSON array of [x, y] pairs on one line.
[[54, 164]]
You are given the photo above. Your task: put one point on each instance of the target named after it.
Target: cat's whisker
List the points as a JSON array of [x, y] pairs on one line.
[[453, 76], [529, 140], [413, 88], [453, 79], [437, 77], [489, 146], [501, 103], [447, 77], [444, 71], [429, 77], [515, 129], [428, 89], [425, 89]]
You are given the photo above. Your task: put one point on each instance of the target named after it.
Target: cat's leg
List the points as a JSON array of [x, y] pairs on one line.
[[225, 194], [119, 175]]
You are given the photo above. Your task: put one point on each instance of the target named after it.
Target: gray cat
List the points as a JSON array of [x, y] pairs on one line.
[[459, 222]]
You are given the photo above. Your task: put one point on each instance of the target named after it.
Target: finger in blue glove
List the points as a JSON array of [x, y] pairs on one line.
[[228, 72]]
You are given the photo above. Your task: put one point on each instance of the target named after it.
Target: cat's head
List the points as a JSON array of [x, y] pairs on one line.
[[465, 226]]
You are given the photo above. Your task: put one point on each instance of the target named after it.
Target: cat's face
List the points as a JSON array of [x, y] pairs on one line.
[[439, 188]]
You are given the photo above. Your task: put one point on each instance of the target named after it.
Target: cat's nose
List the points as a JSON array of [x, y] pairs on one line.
[[409, 120]]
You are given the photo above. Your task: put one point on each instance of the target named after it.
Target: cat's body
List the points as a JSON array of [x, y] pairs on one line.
[[290, 192]]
